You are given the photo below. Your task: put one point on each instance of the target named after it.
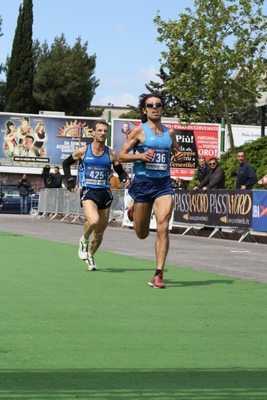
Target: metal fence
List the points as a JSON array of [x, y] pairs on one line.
[[62, 204]]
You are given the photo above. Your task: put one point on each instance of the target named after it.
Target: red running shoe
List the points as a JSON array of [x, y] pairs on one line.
[[130, 213], [156, 282]]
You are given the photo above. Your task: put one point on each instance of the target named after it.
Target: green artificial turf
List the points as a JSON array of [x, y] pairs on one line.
[[67, 333]]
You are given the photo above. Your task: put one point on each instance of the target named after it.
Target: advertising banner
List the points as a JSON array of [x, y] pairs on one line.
[[214, 207], [259, 213], [195, 140], [35, 140], [242, 134]]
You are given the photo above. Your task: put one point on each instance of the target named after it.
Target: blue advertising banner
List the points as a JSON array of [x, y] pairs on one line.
[[259, 211], [35, 140]]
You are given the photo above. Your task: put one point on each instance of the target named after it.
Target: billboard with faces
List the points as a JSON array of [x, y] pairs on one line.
[[35, 140]]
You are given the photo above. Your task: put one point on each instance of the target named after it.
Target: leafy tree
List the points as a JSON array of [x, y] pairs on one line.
[[217, 39], [19, 85], [132, 114], [249, 115], [64, 78], [2, 95], [172, 103], [2, 83], [1, 34]]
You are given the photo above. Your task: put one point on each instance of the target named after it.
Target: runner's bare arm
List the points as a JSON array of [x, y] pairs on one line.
[[118, 168], [136, 136]]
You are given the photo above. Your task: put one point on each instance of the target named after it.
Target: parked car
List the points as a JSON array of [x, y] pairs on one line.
[[11, 200]]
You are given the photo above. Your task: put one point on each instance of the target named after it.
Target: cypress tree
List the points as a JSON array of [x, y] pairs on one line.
[[20, 72]]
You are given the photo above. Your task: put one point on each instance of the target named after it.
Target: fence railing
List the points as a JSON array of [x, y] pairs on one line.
[[218, 209]]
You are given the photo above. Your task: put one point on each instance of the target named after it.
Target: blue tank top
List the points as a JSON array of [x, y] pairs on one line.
[[159, 167], [94, 170]]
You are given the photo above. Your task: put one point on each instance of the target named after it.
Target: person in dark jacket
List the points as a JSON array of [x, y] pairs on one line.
[[246, 176], [48, 177], [203, 169], [215, 178], [57, 178], [23, 185], [181, 184]]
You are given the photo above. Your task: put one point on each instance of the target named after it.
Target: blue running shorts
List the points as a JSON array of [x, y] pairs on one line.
[[146, 190], [101, 197]]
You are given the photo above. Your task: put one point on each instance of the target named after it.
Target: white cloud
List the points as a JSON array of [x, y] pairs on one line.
[[119, 28], [148, 74], [119, 101], [124, 88]]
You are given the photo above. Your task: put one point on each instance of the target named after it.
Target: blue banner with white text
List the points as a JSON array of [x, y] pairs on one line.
[[259, 211]]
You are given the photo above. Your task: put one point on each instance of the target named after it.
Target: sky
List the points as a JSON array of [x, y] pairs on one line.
[[121, 33]]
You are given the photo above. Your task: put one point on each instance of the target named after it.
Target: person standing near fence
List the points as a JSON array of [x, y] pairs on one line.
[[215, 179], [24, 185], [151, 188], [246, 176], [48, 177], [57, 178], [203, 169], [95, 161], [114, 182]]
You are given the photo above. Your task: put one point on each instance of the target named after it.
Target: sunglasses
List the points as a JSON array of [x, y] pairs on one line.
[[212, 163], [155, 103]]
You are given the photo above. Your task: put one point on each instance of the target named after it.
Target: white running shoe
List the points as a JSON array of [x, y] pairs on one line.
[[83, 249], [91, 263]]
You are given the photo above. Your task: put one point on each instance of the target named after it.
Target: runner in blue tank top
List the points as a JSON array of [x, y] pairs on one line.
[[151, 187], [96, 197]]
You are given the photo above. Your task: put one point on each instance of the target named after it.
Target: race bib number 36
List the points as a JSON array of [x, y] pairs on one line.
[[159, 161]]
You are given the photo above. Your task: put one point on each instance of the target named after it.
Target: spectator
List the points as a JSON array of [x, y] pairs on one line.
[[1, 201], [263, 181], [23, 185], [174, 183], [57, 178], [246, 176], [215, 178], [48, 177], [203, 169], [114, 182], [181, 184]]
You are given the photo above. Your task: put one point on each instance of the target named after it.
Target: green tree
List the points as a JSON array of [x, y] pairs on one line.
[[132, 114], [19, 84], [1, 34], [250, 115], [215, 40], [64, 79], [2, 83], [172, 103]]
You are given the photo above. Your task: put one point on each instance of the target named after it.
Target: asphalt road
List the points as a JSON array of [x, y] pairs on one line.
[[243, 260]]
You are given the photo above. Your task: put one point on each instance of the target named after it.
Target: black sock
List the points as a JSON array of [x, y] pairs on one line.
[[158, 271]]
